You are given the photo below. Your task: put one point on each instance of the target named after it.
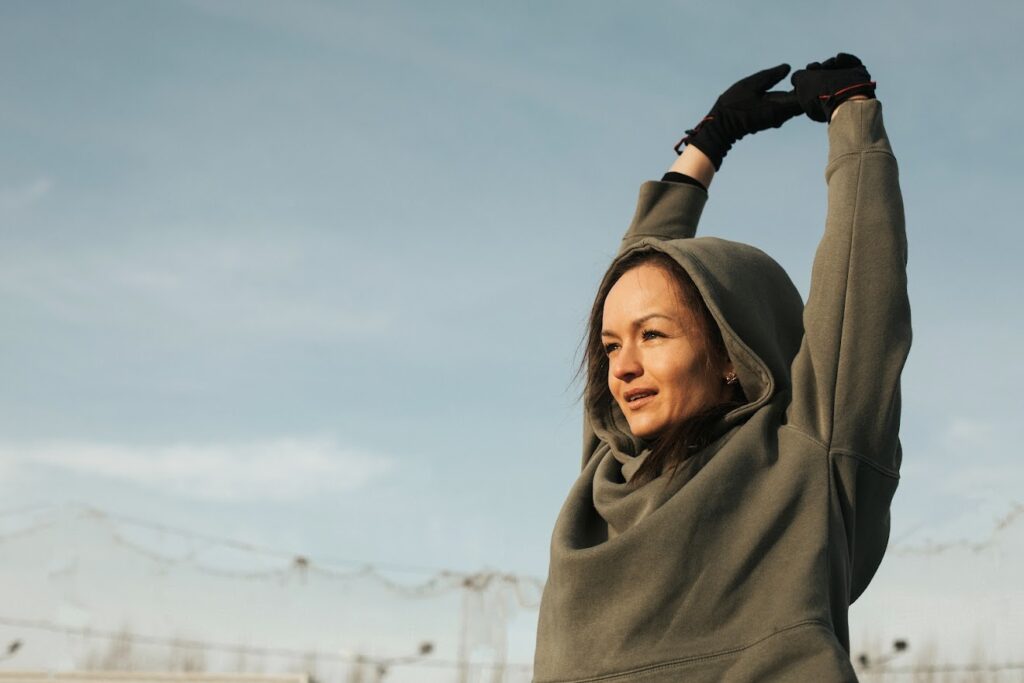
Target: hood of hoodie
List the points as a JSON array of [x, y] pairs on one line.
[[758, 311], [668, 543]]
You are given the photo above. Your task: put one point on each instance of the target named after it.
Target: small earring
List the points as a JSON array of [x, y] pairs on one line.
[[730, 378]]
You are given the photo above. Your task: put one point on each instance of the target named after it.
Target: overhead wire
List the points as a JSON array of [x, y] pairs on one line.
[[239, 649], [439, 581]]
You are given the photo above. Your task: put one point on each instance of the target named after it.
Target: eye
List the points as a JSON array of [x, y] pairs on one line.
[[608, 348], [651, 334]]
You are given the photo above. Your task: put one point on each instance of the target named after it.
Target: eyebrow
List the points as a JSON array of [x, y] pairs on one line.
[[638, 322]]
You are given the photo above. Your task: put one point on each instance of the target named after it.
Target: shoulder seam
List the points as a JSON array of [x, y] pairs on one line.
[[844, 452], [865, 460]]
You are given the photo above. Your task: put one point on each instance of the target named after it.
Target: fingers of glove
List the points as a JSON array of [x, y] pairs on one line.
[[766, 78], [808, 84], [785, 104], [816, 112], [845, 60], [801, 76]]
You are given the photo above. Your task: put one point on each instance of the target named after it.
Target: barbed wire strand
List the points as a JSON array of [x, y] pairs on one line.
[[908, 670], [442, 580], [324, 564], [237, 648], [258, 549], [445, 582], [295, 653], [929, 548], [29, 530]]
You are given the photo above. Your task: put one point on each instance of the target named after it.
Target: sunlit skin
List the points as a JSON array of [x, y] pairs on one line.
[[656, 360]]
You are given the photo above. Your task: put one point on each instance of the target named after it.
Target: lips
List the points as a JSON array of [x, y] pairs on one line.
[[635, 398]]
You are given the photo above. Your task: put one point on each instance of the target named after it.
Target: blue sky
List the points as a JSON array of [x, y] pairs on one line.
[[314, 274]]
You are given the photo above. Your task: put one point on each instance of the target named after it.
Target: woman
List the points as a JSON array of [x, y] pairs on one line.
[[741, 448]]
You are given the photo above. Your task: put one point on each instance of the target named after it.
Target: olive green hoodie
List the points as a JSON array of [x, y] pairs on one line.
[[743, 567]]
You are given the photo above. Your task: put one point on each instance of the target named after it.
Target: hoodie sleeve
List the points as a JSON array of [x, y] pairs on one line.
[[665, 210], [846, 375]]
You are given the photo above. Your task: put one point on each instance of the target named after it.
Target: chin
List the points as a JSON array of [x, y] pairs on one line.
[[645, 431]]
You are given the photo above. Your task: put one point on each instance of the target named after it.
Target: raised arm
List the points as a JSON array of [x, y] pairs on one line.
[[857, 318], [670, 210], [846, 375]]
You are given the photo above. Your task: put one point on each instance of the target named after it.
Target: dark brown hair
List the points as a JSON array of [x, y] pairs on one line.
[[674, 446]]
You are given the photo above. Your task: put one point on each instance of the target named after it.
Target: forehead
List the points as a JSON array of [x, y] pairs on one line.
[[642, 290]]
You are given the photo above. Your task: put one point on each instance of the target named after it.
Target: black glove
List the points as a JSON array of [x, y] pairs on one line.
[[823, 87], [746, 107]]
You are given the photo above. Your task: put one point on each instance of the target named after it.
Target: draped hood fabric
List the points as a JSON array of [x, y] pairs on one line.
[[742, 566]]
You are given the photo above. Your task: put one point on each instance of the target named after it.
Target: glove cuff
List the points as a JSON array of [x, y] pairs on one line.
[[708, 138], [831, 101]]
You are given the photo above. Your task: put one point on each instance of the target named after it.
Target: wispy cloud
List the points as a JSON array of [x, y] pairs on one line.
[[971, 432], [21, 196], [208, 287], [279, 469]]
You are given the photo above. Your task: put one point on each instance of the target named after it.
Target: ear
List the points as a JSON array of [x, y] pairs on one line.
[[729, 374]]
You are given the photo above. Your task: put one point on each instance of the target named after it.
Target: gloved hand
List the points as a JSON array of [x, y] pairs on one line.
[[823, 87], [746, 107]]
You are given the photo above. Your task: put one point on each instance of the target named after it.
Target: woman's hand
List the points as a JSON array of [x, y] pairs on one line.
[[821, 88], [746, 107]]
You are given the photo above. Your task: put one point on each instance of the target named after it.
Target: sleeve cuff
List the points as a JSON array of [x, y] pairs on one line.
[[673, 177]]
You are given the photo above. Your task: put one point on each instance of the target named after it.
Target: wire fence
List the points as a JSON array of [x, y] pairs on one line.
[[486, 600]]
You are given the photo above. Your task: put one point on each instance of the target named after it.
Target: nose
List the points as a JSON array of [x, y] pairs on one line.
[[625, 365]]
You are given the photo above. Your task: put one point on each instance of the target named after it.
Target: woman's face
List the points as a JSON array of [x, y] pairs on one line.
[[657, 371]]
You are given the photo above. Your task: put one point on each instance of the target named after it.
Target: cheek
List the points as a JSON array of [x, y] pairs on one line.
[[688, 381]]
